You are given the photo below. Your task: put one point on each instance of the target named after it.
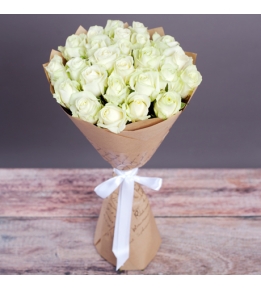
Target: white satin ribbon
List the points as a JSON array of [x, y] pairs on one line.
[[124, 179]]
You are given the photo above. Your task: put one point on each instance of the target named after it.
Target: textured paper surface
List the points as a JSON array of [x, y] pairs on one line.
[[129, 149], [144, 236]]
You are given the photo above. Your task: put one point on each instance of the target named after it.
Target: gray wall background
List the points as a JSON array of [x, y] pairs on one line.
[[219, 129]]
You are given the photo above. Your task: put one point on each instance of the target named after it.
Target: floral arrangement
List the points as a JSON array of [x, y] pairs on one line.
[[133, 82], [116, 75]]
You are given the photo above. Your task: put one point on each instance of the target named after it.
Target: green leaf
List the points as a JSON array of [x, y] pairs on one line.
[[183, 105], [167, 88]]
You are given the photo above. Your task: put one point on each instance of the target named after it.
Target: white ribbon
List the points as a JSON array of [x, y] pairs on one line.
[[124, 179]]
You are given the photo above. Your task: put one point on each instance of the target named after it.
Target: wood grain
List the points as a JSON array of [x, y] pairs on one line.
[[185, 192], [189, 246], [209, 220], [204, 246], [50, 246]]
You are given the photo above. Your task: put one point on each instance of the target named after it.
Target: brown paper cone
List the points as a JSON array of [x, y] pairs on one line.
[[144, 236], [129, 149]]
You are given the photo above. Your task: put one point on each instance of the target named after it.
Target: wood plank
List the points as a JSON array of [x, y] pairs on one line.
[[50, 246], [185, 192], [207, 246], [189, 246], [49, 192]]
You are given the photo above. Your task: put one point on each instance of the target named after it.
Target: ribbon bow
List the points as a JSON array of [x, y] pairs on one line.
[[124, 179]]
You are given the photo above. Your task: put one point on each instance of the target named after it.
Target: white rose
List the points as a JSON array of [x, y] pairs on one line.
[[169, 40], [164, 42], [113, 118], [94, 31], [167, 104], [122, 33], [145, 82], [56, 69], [178, 86], [106, 56], [155, 36], [140, 40], [124, 67], [111, 26], [179, 59], [137, 107], [94, 79], [75, 66], [138, 27], [147, 57], [74, 46], [85, 105], [167, 44], [171, 50], [168, 73], [125, 46], [191, 78], [97, 42], [64, 88], [117, 91]]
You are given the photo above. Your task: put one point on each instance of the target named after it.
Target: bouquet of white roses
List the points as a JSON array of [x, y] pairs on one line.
[[124, 87], [115, 75]]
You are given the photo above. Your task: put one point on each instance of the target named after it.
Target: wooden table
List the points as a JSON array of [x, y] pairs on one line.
[[209, 220]]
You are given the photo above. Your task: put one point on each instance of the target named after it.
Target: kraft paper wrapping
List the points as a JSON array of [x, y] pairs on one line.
[[144, 238], [129, 149]]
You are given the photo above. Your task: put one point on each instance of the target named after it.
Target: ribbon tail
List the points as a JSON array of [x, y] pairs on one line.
[[121, 240], [124, 179]]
